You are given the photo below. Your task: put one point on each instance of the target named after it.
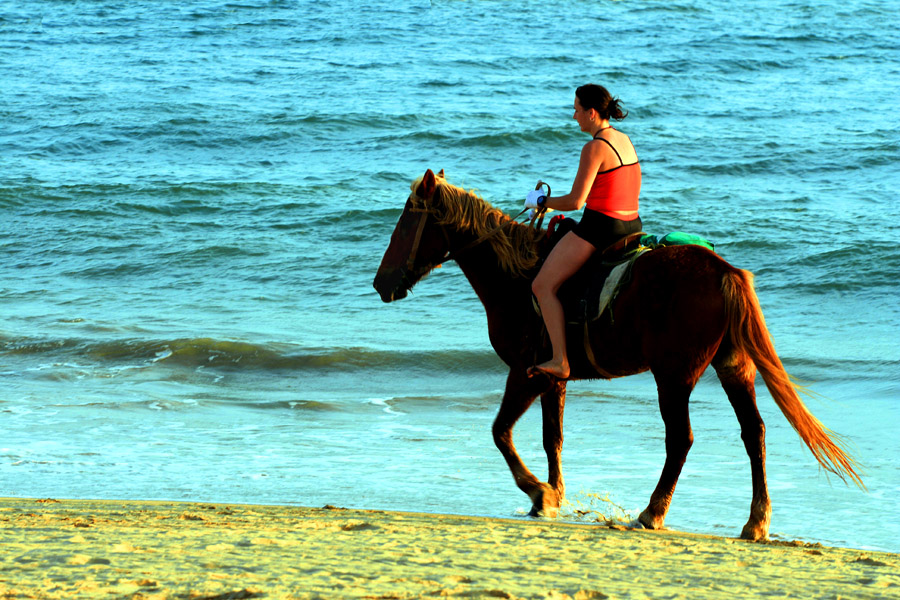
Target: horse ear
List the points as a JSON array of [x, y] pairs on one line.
[[428, 185], [441, 174]]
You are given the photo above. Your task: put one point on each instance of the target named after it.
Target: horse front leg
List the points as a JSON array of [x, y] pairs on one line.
[[519, 395], [673, 404], [553, 404]]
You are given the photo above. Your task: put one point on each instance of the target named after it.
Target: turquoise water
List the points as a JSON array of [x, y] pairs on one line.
[[194, 198]]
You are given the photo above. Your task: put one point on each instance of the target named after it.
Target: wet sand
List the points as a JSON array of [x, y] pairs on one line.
[[167, 550]]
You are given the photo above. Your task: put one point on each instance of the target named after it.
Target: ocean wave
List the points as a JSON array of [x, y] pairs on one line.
[[166, 198], [482, 138], [669, 7], [234, 354], [858, 266], [342, 121]]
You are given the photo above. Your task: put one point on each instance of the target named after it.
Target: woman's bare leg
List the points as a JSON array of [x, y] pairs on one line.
[[566, 258]]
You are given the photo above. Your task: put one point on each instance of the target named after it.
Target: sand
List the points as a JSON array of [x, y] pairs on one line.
[[161, 550]]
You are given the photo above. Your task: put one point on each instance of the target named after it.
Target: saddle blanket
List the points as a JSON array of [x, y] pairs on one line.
[[610, 287]]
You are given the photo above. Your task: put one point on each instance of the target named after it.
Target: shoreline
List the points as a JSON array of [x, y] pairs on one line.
[[159, 550]]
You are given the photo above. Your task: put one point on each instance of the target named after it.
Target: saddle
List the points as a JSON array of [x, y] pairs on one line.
[[587, 294]]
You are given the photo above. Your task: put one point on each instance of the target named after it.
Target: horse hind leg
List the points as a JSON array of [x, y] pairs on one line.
[[673, 404], [737, 374]]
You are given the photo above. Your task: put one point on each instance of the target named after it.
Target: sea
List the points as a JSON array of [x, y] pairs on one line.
[[195, 197]]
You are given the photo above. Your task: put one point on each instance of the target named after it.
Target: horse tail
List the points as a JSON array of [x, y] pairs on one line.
[[750, 336]]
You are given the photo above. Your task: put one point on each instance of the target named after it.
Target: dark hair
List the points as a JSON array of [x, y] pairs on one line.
[[598, 97]]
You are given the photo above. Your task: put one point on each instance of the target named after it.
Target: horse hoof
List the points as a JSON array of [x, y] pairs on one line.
[[647, 521], [545, 503], [548, 513], [754, 532]]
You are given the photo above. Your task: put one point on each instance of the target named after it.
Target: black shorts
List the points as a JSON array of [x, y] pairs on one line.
[[601, 230]]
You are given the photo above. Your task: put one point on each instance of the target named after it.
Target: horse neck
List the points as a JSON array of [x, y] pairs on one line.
[[475, 254], [495, 286]]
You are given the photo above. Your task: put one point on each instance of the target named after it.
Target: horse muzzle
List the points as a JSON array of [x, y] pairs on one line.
[[391, 286]]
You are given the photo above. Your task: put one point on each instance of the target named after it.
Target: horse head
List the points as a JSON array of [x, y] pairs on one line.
[[418, 244]]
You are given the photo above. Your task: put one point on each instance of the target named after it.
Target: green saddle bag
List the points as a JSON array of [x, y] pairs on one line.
[[677, 238]]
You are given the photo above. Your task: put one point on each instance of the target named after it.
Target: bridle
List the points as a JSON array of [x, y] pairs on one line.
[[410, 261]]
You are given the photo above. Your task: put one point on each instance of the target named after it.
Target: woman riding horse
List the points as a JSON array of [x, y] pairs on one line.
[[609, 182]]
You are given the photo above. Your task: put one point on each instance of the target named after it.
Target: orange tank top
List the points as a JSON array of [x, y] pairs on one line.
[[616, 189]]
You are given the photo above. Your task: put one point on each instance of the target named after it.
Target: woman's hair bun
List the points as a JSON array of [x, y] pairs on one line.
[[598, 97]]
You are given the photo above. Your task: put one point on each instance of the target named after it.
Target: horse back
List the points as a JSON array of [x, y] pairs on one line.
[[670, 316]]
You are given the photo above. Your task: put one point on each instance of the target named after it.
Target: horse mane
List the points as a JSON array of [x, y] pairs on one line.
[[516, 245]]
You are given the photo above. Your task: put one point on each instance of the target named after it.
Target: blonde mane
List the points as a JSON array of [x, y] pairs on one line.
[[515, 244]]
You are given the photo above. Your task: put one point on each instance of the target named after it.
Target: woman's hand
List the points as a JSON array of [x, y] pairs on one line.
[[535, 199]]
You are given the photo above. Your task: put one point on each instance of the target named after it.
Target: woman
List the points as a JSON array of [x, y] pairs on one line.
[[609, 182]]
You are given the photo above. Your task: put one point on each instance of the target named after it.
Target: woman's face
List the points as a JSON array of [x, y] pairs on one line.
[[583, 117]]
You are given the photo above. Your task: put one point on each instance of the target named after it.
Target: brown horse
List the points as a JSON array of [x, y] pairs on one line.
[[684, 309]]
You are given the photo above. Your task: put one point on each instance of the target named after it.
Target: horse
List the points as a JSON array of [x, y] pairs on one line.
[[683, 309]]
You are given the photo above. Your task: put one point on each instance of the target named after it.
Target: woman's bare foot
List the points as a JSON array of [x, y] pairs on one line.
[[554, 369]]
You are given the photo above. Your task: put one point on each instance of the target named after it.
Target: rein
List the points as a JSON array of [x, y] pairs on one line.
[[539, 216]]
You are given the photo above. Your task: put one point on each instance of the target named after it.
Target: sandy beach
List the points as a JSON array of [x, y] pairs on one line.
[[162, 550]]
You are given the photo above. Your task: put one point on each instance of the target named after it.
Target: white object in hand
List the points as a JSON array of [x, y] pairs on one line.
[[535, 198]]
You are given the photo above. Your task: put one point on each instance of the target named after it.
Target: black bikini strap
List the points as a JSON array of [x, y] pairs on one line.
[[621, 162]]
